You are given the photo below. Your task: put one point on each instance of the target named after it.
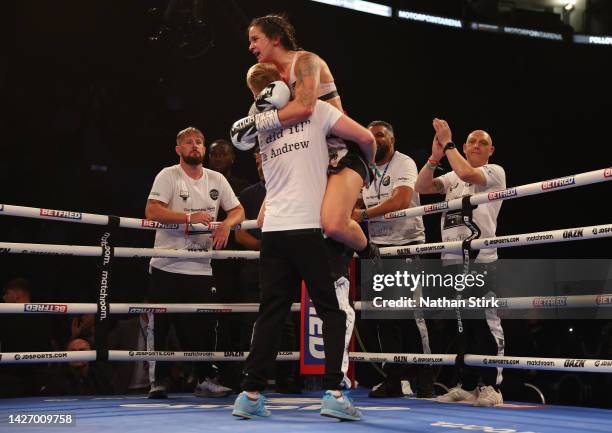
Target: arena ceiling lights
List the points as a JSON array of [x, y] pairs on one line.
[[361, 6], [387, 11]]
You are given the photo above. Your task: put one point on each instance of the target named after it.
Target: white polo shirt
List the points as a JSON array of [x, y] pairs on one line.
[[183, 194], [485, 215]]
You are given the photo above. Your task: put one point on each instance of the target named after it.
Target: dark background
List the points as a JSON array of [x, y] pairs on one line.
[[92, 108], [83, 87]]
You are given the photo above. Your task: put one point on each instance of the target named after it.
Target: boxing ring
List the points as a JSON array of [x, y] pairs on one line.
[[398, 414]]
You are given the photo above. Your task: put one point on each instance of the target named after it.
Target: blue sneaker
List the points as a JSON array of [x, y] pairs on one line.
[[342, 409], [246, 408]]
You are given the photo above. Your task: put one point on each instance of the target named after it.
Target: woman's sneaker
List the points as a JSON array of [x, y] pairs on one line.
[[246, 408], [341, 408]]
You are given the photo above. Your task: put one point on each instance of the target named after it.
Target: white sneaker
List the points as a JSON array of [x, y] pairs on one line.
[[211, 388], [458, 394], [158, 391], [406, 388], [488, 397]]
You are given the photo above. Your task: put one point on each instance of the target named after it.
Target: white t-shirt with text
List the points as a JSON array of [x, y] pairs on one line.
[[294, 162]]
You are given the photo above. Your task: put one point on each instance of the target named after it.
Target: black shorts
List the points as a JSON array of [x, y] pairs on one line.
[[355, 160]]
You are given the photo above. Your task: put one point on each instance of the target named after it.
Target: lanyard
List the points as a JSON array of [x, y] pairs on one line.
[[382, 177]]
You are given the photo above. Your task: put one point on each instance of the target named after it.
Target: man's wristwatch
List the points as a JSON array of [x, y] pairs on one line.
[[449, 145], [364, 214]]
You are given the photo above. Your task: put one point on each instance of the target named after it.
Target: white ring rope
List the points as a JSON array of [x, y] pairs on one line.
[[561, 235], [38, 357], [94, 251], [555, 364], [552, 236], [104, 220], [582, 179], [516, 303], [129, 355], [530, 363]]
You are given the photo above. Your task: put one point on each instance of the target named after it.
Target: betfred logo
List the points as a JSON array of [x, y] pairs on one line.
[[604, 300], [45, 308], [61, 214], [396, 214], [558, 183], [607, 173], [505, 193], [435, 207], [157, 225], [550, 302], [147, 310]]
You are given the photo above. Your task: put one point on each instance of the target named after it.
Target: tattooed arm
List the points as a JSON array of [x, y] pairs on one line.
[[308, 72]]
